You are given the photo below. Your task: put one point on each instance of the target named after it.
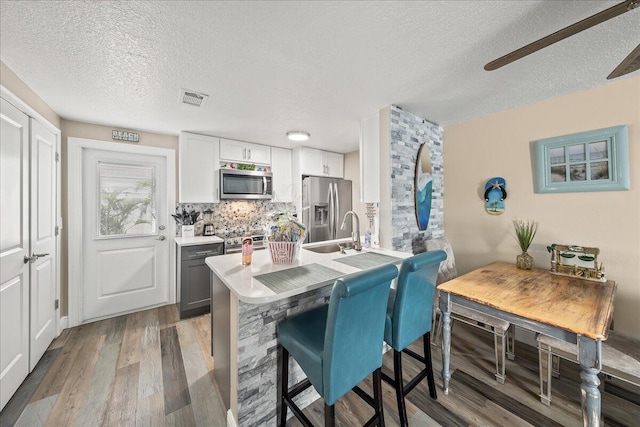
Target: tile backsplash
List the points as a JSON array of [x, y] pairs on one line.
[[230, 218]]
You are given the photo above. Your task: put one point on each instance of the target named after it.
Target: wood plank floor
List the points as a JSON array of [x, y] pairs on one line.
[[476, 399], [152, 369], [144, 369]]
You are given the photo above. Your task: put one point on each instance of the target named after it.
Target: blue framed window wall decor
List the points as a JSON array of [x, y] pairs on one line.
[[597, 160]]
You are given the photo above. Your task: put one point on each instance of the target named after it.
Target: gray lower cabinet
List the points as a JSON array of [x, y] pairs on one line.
[[193, 277]]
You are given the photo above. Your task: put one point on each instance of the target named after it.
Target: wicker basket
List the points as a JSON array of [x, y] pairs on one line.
[[283, 252]]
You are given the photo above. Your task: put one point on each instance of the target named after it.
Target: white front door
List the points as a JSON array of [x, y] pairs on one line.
[[43, 240], [125, 252], [14, 246]]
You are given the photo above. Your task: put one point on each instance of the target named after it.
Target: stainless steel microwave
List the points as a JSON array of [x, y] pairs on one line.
[[245, 185]]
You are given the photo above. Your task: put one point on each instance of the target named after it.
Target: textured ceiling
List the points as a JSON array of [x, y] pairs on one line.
[[271, 67]]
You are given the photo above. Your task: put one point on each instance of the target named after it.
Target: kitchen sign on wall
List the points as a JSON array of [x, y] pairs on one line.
[[121, 135]]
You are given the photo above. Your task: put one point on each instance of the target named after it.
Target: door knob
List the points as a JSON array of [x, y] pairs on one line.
[[161, 227], [162, 238], [34, 257]]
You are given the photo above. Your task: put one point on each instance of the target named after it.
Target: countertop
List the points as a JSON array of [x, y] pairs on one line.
[[241, 282], [197, 240]]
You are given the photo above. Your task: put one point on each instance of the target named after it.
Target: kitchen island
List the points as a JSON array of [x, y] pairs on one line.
[[247, 303]]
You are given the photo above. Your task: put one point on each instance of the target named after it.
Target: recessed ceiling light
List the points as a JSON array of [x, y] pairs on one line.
[[298, 135]]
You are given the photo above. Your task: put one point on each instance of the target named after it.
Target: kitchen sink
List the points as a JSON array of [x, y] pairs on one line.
[[330, 248]]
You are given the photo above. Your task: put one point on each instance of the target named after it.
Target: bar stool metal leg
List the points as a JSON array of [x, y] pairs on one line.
[[283, 385], [429, 365], [377, 395], [398, 382], [329, 415]]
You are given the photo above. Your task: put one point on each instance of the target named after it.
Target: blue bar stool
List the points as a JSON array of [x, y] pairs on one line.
[[338, 345], [409, 317]]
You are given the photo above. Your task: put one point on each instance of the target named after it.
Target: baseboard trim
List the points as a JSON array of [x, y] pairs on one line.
[[231, 421], [63, 324]]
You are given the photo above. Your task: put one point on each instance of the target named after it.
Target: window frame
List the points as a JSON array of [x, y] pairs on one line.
[[617, 140], [154, 226]]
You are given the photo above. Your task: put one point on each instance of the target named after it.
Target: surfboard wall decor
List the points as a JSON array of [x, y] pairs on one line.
[[423, 186]]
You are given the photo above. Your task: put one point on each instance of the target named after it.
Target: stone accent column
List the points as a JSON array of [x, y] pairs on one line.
[[408, 132]]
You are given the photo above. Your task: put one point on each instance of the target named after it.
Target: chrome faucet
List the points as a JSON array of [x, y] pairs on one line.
[[355, 235]]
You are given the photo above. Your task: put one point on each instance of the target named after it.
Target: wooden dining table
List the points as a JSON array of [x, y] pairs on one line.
[[572, 309]]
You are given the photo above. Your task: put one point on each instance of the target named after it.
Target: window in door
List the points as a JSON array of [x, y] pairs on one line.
[[127, 202]]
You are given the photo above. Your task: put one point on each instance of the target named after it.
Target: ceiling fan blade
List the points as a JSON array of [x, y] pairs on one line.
[[628, 65], [562, 34]]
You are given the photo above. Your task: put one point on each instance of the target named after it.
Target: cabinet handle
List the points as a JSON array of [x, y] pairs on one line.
[[249, 151], [244, 153], [203, 252]]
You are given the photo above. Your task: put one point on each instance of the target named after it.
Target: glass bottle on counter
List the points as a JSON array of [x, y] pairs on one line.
[[247, 248]]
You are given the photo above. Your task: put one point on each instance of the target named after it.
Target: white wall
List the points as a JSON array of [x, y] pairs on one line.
[[12, 82], [352, 172], [498, 145]]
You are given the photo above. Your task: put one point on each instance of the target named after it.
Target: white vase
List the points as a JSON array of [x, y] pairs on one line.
[[187, 230]]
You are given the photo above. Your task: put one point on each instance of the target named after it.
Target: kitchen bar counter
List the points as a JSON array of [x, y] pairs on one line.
[[241, 279], [244, 316]]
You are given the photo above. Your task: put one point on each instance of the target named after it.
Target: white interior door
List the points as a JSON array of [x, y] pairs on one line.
[[43, 240], [14, 246], [125, 253]]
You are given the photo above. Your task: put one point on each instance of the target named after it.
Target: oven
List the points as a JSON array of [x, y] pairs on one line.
[[234, 246]]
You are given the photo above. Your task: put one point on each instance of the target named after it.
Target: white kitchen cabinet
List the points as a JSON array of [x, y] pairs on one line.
[[334, 164], [370, 159], [199, 157], [310, 161], [320, 163], [244, 152], [282, 174]]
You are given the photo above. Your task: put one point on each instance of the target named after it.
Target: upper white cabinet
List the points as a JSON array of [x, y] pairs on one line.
[[334, 164], [370, 160], [199, 164], [282, 174], [319, 163], [244, 152]]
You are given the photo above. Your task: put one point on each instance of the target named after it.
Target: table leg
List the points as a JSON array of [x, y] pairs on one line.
[[589, 356], [445, 310]]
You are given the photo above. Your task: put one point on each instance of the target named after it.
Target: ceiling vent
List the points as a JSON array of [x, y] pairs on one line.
[[191, 97]]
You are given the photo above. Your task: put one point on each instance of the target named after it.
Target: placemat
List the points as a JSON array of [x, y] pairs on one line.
[[293, 278], [368, 260]]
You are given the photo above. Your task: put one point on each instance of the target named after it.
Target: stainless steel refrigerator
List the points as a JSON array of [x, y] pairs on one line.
[[324, 203]]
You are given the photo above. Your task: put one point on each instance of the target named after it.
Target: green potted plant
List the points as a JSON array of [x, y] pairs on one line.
[[525, 232]]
